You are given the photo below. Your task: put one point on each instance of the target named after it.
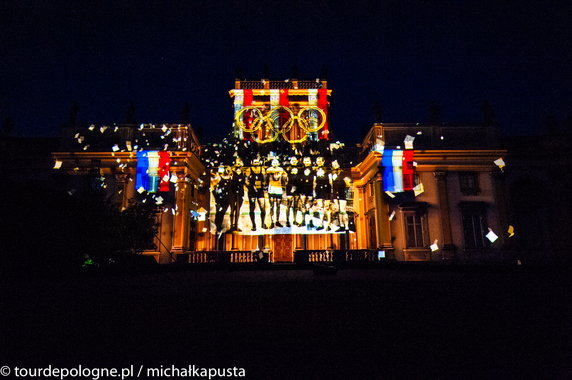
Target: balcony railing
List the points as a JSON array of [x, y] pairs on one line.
[[300, 257], [335, 256], [225, 257], [279, 84]]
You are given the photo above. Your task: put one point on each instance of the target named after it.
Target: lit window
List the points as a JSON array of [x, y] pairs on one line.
[[415, 223]]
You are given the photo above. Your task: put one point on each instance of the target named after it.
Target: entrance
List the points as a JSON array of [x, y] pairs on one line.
[[282, 248]]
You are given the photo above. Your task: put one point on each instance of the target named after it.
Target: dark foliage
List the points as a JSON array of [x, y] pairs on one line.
[[137, 226], [51, 231]]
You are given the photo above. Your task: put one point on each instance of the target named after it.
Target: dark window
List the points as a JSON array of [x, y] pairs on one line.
[[469, 183], [474, 225], [415, 229]]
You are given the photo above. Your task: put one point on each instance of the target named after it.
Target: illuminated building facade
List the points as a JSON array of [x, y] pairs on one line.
[[458, 196], [125, 159], [279, 188]]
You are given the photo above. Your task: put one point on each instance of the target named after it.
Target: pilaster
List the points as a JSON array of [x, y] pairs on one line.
[[448, 248], [383, 226], [181, 218], [499, 187]]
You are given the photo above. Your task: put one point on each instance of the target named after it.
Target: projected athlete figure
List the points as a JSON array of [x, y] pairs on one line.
[[255, 187], [221, 185], [323, 189], [236, 193], [340, 184], [275, 190], [307, 188], [292, 191]]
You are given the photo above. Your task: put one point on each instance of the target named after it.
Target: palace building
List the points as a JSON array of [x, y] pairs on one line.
[[278, 188]]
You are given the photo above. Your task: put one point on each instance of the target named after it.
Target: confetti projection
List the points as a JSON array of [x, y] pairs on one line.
[[278, 173]]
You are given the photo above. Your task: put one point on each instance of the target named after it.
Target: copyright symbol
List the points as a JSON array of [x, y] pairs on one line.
[[5, 371]]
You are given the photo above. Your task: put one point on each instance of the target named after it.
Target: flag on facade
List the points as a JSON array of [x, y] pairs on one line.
[[152, 167], [398, 170]]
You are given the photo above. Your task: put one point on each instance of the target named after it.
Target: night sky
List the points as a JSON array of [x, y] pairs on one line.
[[403, 54]]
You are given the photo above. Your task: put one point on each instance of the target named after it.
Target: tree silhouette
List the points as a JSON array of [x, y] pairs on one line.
[[138, 228]]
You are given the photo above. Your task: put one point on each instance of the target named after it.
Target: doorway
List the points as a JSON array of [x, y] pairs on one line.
[[282, 248]]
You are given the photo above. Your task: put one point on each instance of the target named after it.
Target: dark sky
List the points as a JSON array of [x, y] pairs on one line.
[[403, 54]]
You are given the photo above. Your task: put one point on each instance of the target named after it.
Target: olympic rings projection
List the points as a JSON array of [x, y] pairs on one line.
[[280, 120]]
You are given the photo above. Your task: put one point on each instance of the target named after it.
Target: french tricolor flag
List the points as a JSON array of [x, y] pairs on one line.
[[153, 171], [398, 170]]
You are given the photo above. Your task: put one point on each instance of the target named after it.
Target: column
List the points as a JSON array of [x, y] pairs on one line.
[[499, 187], [383, 226], [360, 218], [448, 249], [234, 241], [298, 241], [181, 218]]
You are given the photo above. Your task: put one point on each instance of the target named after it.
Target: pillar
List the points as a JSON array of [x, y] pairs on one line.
[[383, 227], [499, 187], [448, 249], [181, 218], [360, 218]]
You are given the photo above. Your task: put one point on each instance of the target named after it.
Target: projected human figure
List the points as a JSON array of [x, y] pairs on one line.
[[340, 184], [221, 185], [236, 193], [274, 176], [255, 187], [322, 190], [307, 188], [292, 191]]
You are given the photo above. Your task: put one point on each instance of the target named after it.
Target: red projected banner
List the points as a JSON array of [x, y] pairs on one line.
[[408, 170], [323, 105], [283, 102], [163, 172], [248, 97]]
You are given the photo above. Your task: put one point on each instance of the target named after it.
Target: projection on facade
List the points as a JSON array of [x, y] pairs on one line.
[[278, 172]]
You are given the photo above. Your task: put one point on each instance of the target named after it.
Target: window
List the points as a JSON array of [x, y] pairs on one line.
[[474, 224], [414, 227], [469, 183], [415, 223]]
